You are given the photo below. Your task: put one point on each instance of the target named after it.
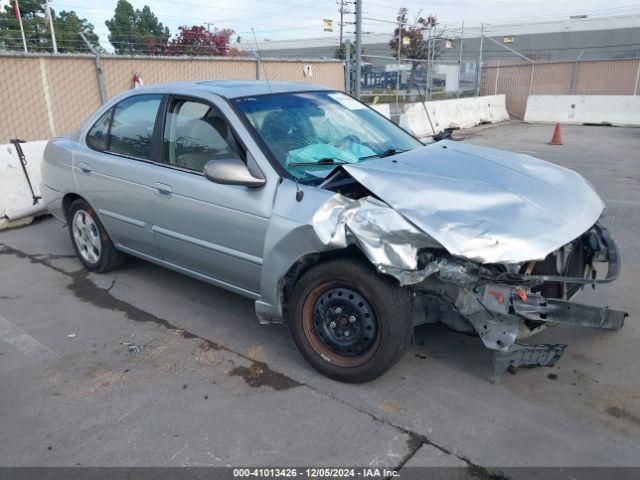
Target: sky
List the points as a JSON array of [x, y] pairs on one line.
[[302, 19]]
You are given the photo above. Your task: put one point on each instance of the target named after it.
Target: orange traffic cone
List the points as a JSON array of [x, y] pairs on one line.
[[557, 136]]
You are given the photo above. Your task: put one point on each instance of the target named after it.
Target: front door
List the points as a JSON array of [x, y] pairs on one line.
[[215, 230]]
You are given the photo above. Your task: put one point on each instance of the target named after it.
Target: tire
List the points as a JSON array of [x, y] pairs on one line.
[[325, 301], [90, 240]]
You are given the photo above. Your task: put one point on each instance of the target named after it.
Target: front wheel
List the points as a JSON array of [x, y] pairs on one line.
[[349, 321]]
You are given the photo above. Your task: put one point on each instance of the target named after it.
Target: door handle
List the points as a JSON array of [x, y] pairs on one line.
[[84, 168], [163, 189]]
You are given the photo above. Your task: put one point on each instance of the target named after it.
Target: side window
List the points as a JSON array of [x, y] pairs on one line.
[[194, 134], [97, 136], [132, 126]]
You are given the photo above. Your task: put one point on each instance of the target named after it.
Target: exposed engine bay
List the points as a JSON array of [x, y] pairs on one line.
[[502, 302]]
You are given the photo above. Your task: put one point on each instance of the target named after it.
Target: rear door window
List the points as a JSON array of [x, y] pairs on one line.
[[132, 126]]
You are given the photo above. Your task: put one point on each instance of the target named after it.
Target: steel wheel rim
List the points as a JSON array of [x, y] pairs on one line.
[[86, 236], [327, 316]]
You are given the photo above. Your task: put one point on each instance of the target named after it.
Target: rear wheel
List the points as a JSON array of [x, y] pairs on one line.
[[350, 322], [90, 239]]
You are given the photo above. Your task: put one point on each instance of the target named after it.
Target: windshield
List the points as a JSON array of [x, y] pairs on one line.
[[309, 133]]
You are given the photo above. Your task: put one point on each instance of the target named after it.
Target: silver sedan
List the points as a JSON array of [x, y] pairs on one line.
[[333, 219]]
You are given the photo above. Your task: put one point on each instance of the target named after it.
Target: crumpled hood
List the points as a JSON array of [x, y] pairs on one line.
[[484, 204]]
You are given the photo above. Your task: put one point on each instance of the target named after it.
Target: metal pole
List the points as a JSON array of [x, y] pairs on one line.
[[460, 58], [341, 20], [101, 88], [495, 86], [434, 42], [24, 40], [398, 63], [53, 33], [258, 66], [428, 79], [479, 72], [574, 76], [635, 88], [531, 74], [347, 66], [358, 48]]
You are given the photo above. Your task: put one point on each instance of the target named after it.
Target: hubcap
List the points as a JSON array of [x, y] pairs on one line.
[[86, 236], [345, 322]]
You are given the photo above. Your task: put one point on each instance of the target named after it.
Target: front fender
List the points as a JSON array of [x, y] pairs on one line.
[[290, 236]]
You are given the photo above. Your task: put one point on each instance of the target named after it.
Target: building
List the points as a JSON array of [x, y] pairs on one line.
[[585, 38]]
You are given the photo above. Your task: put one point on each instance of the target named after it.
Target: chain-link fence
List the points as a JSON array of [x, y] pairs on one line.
[[582, 77], [48, 95], [390, 80]]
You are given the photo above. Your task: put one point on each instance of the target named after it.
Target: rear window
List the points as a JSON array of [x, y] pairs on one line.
[[127, 128]]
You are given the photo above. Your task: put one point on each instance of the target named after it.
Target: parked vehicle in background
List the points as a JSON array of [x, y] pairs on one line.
[[333, 219]]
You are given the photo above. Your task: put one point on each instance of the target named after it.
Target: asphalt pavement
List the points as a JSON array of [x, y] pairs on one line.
[[147, 367]]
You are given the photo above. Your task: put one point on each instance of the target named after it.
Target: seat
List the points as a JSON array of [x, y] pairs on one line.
[[200, 140]]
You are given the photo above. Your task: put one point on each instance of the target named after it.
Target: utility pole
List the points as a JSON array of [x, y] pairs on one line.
[[342, 12], [358, 48]]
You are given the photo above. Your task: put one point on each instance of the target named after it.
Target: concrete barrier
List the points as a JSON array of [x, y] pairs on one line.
[[382, 109], [15, 196], [457, 113], [618, 110]]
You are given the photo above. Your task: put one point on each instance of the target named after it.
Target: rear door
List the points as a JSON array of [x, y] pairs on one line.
[[114, 171], [214, 230]]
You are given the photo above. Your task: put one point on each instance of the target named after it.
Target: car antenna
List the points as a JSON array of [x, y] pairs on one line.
[[264, 70]]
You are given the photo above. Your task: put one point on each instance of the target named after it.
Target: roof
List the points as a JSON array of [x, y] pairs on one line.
[[235, 88]]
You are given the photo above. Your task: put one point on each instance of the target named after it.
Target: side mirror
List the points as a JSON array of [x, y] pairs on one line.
[[231, 171]]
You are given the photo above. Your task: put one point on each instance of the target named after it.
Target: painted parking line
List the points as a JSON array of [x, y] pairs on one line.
[[24, 342]]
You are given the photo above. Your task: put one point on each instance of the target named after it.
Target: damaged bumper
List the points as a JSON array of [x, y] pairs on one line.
[[505, 308]]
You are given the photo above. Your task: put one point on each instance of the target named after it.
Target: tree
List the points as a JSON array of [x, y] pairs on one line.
[[341, 51], [413, 43], [198, 41], [136, 31], [152, 33], [37, 32], [122, 28], [67, 26]]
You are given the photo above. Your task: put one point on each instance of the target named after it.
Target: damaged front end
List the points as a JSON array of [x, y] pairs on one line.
[[506, 304], [503, 303]]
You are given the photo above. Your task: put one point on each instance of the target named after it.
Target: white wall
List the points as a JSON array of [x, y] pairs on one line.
[[15, 195], [451, 74], [457, 113], [618, 110]]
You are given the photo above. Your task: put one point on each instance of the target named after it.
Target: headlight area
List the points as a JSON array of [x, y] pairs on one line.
[[505, 304]]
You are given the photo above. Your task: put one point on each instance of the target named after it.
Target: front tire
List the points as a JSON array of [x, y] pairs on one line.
[[90, 240], [349, 321]]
